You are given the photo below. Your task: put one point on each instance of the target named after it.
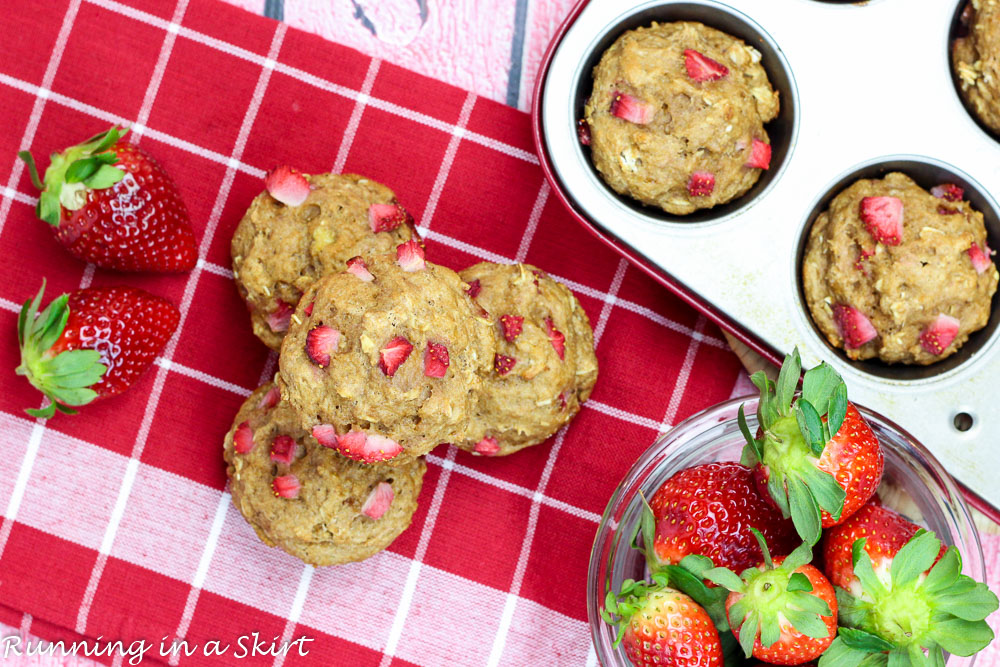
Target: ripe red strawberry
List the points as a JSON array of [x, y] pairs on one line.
[[901, 592], [410, 256], [556, 337], [631, 108], [503, 364], [270, 399], [394, 354], [815, 455], [782, 612], [948, 191], [883, 216], [357, 445], [487, 446], [92, 343], [939, 334], [854, 327], [708, 510], [658, 625], [474, 288], [436, 360], [702, 68], [760, 155], [279, 320], [283, 449], [980, 259], [287, 186], [321, 343], [583, 131], [357, 267], [243, 438], [113, 205], [386, 217], [286, 486], [511, 325], [378, 501], [701, 184]]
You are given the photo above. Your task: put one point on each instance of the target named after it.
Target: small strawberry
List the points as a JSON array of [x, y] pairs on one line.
[[702, 68], [474, 288], [243, 438], [760, 155], [556, 337], [113, 205], [321, 343], [487, 446], [286, 486], [815, 456], [387, 217], [92, 343], [631, 108], [283, 449], [853, 326], [503, 364], [784, 611], [394, 354], [287, 186], [279, 320], [270, 399], [980, 258], [436, 360], [378, 501], [511, 325], [701, 184], [410, 256], [357, 267], [883, 216], [901, 593], [357, 445], [939, 334], [308, 310], [583, 131], [948, 191]]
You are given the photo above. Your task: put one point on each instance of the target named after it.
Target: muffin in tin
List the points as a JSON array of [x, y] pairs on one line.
[[975, 57], [894, 272], [676, 116]]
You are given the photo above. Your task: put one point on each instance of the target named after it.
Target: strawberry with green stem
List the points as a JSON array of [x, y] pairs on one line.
[[814, 455]]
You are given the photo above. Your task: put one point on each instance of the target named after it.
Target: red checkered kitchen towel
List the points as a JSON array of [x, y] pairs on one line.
[[116, 523]]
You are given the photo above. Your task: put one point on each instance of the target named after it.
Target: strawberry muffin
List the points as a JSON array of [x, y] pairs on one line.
[[386, 360], [290, 237], [676, 117], [897, 273], [975, 57], [307, 499], [545, 365]]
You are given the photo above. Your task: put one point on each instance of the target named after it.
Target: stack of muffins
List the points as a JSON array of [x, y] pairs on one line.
[[383, 356]]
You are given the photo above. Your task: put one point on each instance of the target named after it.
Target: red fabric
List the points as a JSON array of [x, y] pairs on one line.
[[115, 521]]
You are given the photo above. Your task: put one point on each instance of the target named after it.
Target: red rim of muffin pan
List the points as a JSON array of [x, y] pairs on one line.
[[842, 118]]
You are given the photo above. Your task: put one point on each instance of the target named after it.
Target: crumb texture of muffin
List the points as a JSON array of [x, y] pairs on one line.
[[894, 272], [676, 116], [279, 250], [545, 366], [307, 499], [976, 60]]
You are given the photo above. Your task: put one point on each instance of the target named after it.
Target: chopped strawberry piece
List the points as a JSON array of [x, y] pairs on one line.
[[702, 68], [367, 447], [287, 186], [632, 109], [944, 210], [854, 327], [278, 320], [325, 435], [357, 267], [436, 360], [286, 486], [321, 343], [948, 191], [583, 131], [474, 288], [760, 155], [283, 449], [511, 325], [503, 364], [393, 354], [410, 256], [243, 438], [883, 216], [487, 447], [378, 501], [556, 337], [701, 184], [270, 399], [980, 260], [386, 217], [939, 334], [308, 310]]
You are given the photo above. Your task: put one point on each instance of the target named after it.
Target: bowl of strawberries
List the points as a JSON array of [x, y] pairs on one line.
[[790, 528]]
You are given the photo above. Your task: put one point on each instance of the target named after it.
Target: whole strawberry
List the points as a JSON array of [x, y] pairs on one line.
[[658, 625], [905, 602], [113, 205], [815, 456], [784, 611], [91, 344], [708, 510]]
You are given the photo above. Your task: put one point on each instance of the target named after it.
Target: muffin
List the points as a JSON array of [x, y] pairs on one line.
[[676, 117], [307, 499], [385, 361], [897, 273], [279, 250], [975, 57], [545, 365]]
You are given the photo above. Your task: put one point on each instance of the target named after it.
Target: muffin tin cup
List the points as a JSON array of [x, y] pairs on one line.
[[740, 265]]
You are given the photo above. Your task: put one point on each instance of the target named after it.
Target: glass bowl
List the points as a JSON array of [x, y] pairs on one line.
[[913, 484]]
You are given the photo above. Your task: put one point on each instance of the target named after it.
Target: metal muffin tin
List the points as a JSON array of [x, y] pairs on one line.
[[865, 89]]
